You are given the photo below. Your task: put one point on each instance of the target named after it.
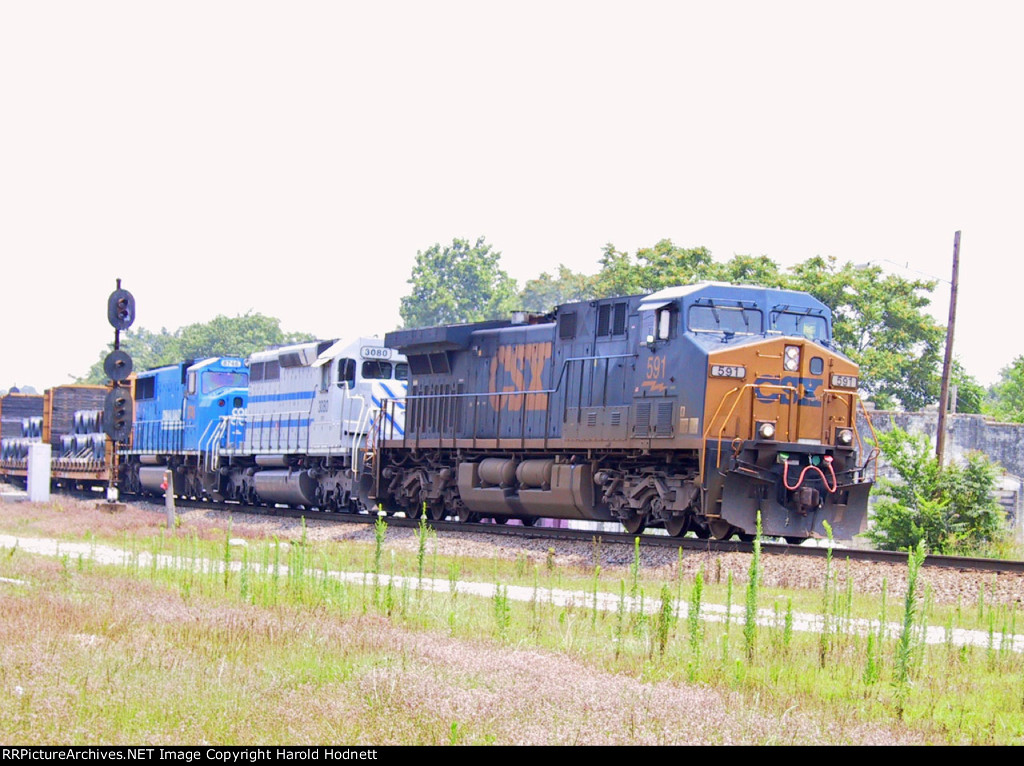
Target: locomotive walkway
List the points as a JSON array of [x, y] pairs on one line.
[[104, 554]]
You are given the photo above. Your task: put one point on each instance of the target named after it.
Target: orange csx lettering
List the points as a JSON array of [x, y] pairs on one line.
[[519, 369]]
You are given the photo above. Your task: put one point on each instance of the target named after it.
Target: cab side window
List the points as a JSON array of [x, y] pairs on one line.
[[346, 373]]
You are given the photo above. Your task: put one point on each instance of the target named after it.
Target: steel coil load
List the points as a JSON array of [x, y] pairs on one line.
[[98, 445], [87, 422], [14, 449], [67, 446]]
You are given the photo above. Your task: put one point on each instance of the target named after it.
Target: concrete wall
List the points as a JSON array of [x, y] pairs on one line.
[[1002, 442]]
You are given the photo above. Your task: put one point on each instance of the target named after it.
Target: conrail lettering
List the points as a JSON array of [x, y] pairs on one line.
[[520, 369], [772, 394]]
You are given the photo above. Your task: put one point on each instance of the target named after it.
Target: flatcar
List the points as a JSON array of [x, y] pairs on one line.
[[69, 419], [698, 408]]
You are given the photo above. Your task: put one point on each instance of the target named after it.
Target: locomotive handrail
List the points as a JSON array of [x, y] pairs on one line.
[[500, 394], [362, 425], [157, 436], [739, 395], [309, 418], [535, 392], [203, 436], [725, 421]]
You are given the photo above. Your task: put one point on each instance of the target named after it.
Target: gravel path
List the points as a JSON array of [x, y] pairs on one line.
[[945, 585]]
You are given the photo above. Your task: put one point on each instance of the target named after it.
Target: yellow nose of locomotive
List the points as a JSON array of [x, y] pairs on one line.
[[781, 389], [780, 439]]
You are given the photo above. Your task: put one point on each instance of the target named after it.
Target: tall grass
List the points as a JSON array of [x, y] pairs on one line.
[[949, 693], [753, 583], [905, 644]]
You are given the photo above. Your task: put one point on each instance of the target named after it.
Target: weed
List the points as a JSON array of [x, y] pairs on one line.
[[634, 568], [694, 623], [787, 629], [665, 621], [905, 645], [620, 619], [424, 532], [753, 581], [825, 637], [502, 612]]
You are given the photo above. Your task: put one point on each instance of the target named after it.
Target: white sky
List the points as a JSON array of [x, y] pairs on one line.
[[291, 158]]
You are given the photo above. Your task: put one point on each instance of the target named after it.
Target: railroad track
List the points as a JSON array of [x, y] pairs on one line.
[[583, 535]]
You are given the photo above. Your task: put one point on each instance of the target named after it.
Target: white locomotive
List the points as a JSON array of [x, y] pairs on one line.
[[310, 409]]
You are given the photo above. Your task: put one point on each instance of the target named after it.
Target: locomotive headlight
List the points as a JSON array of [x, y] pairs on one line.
[[765, 430], [844, 381], [844, 436], [791, 360]]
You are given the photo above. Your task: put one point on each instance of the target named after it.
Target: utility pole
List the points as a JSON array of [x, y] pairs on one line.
[[947, 364]]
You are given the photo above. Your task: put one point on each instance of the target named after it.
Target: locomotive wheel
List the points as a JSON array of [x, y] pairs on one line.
[[701, 530], [635, 523], [414, 511], [677, 526], [436, 510], [793, 540], [720, 530], [529, 521], [467, 516]]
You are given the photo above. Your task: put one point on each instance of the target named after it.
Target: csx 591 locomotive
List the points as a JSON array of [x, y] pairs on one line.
[[692, 408]]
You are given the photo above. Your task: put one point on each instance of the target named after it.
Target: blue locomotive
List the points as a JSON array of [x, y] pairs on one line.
[[692, 408], [183, 414]]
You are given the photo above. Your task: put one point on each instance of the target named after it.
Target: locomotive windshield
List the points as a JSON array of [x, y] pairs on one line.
[[730, 319], [375, 369], [803, 325], [214, 380]]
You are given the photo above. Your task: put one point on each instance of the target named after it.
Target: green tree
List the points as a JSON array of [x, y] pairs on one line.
[[221, 336], [752, 270], [234, 336], [666, 264], [880, 322], [1005, 399], [951, 510], [547, 291], [619, 274], [970, 394], [458, 283]]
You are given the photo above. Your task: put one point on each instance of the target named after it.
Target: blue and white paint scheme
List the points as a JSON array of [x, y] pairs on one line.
[[320, 398], [296, 435], [311, 408]]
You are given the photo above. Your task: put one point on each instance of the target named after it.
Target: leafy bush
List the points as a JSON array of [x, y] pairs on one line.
[[952, 510]]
